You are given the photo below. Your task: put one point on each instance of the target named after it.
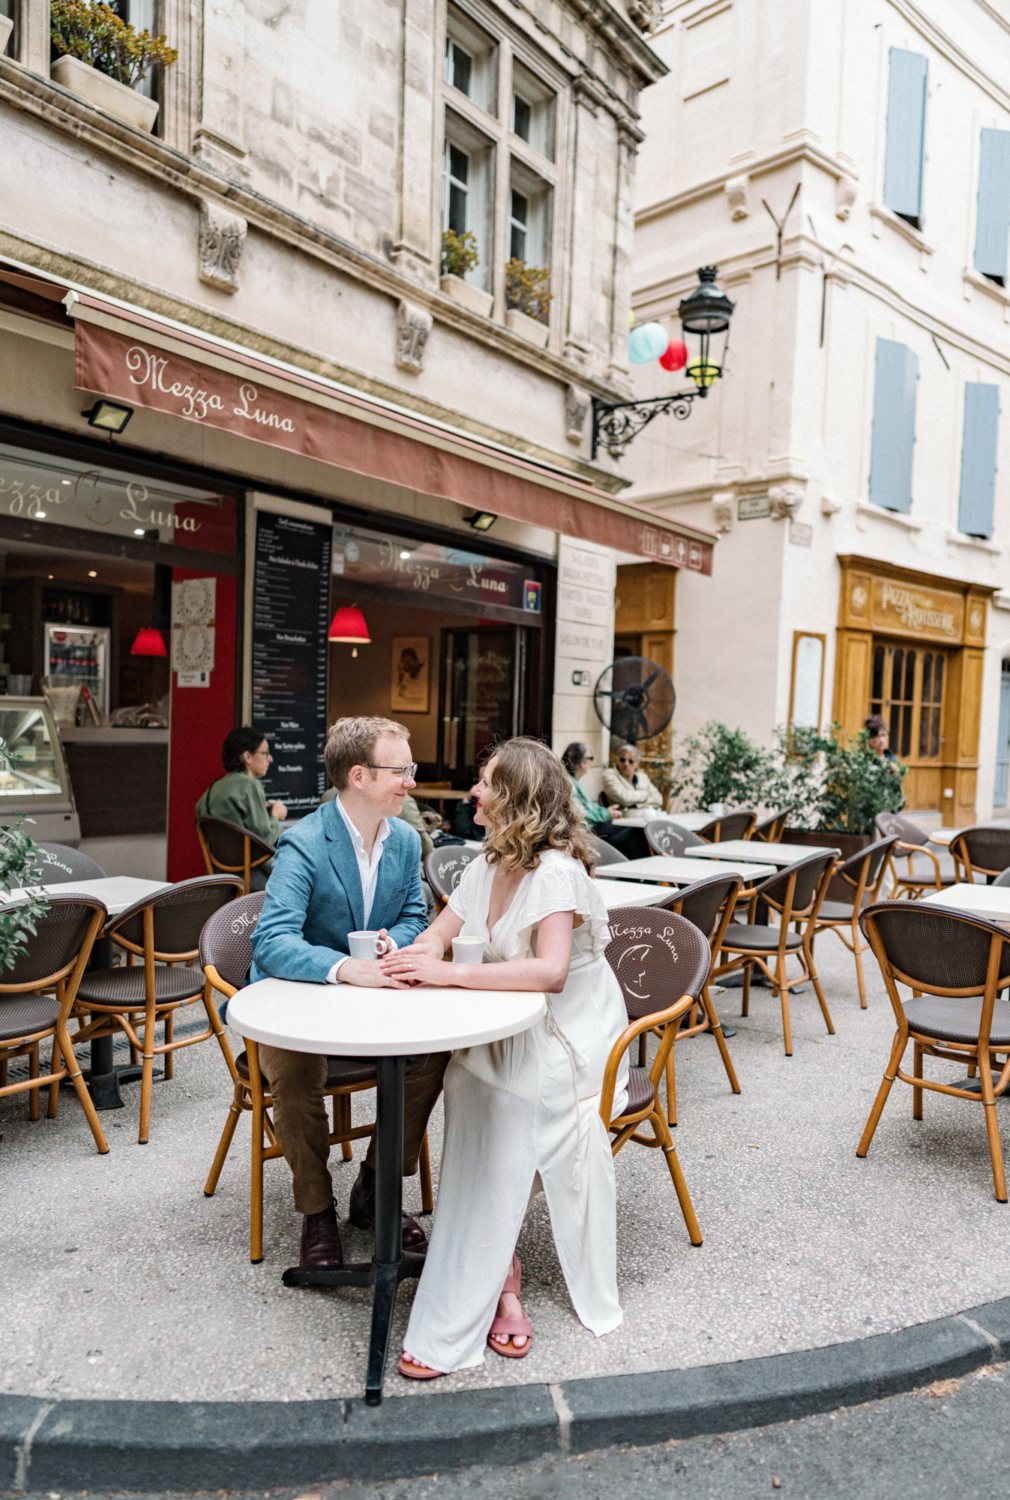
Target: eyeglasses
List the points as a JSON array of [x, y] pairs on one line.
[[627, 760], [405, 773]]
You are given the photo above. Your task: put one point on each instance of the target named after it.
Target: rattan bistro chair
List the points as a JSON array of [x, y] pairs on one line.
[[230, 849], [664, 837], [734, 825], [36, 1000], [604, 853], [956, 966], [980, 851], [444, 867], [164, 932], [59, 865], [796, 894], [864, 873], [926, 870], [226, 953], [661, 962], [770, 830]]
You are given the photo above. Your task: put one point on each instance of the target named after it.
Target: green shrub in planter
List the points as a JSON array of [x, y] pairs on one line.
[[459, 253], [93, 33]]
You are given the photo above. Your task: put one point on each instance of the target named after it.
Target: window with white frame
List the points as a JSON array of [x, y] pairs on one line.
[[471, 58], [532, 111], [9, 11], [466, 169]]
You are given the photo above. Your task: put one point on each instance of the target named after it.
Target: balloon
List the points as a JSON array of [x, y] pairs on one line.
[[675, 357], [647, 342]]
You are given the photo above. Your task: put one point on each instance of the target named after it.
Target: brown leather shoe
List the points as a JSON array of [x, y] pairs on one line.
[[362, 1212], [321, 1245]]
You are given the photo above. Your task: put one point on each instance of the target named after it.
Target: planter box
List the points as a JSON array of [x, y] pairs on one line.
[[6, 27], [530, 329], [105, 92], [847, 844], [470, 297]]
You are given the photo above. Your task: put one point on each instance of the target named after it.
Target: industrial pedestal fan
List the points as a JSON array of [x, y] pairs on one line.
[[634, 698]]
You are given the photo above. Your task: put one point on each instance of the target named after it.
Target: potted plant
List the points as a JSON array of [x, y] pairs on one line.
[[19, 870], [459, 257], [527, 300], [839, 786], [102, 59]]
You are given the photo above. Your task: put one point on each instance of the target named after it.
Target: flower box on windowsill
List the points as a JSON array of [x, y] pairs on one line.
[[107, 93], [530, 329], [470, 297]]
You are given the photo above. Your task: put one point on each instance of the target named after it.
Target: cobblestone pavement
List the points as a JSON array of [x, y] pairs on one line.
[[120, 1279]]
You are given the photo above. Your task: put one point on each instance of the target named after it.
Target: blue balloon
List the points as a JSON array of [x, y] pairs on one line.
[[647, 342]]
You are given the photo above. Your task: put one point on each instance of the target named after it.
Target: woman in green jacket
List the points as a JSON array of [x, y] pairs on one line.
[[577, 759], [238, 795]]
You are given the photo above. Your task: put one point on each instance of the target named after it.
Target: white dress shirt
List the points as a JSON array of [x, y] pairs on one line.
[[368, 870]]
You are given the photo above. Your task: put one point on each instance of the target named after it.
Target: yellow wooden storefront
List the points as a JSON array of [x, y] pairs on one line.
[[911, 648]]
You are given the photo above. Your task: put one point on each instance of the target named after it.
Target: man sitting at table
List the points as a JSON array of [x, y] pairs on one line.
[[352, 865]]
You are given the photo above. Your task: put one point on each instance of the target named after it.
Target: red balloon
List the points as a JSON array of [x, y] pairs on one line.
[[675, 357]]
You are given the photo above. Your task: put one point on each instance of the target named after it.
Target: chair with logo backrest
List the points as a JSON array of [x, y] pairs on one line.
[[863, 874], [163, 931], [226, 954], [37, 997], [444, 867], [60, 865], [980, 851], [604, 853], [661, 961], [958, 969], [926, 871], [796, 894], [734, 825], [230, 849], [770, 830], [666, 837]]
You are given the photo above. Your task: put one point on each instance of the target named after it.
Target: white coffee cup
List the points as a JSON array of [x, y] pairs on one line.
[[364, 945], [467, 950]]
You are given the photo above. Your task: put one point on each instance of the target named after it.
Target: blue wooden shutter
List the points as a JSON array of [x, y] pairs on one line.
[[893, 426], [978, 459], [1003, 741], [906, 122], [993, 203]]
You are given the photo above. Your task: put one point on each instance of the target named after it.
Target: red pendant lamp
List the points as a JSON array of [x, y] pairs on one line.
[[348, 626], [149, 642]]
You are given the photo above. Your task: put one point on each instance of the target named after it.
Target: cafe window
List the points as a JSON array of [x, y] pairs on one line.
[[907, 693]]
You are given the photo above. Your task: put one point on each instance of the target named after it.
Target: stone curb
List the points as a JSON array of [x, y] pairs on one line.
[[207, 1445]]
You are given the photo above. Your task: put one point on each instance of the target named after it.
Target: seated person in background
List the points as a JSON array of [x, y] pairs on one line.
[[353, 865], [577, 760], [625, 786], [238, 795], [410, 813]]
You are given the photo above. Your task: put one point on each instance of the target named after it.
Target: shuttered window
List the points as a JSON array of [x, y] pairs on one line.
[[897, 372], [906, 124], [993, 205], [978, 459]]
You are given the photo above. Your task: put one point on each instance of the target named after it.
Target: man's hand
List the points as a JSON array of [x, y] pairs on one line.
[[278, 810], [367, 972]]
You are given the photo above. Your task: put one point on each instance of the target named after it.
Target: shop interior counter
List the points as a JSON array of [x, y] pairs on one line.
[[119, 778], [36, 784]]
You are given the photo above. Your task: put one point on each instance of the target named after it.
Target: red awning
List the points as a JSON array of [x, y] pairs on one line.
[[128, 355]]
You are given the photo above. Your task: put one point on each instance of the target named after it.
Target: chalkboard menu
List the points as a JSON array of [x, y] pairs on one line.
[[291, 598]]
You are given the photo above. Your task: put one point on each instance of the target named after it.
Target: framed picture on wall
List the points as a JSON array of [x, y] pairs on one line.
[[411, 673]]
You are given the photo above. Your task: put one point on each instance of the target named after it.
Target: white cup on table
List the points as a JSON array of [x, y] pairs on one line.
[[467, 950], [365, 945]]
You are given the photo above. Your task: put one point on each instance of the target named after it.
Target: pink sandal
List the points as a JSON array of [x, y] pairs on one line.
[[411, 1371], [515, 1325]]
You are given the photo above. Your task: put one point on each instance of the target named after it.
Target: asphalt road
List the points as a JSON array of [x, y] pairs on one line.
[[953, 1438]]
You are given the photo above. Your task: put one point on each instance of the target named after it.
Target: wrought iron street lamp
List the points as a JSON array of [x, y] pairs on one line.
[[705, 312]]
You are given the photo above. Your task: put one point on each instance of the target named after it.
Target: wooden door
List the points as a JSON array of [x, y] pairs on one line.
[[907, 691]]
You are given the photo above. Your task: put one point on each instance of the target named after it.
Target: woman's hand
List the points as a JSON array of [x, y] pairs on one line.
[[418, 964]]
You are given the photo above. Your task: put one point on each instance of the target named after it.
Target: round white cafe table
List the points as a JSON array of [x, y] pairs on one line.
[[391, 1026]]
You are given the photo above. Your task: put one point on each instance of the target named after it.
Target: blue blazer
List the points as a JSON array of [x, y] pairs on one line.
[[314, 897]]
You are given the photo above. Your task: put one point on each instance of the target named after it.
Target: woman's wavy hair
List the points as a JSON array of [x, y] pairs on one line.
[[530, 808]]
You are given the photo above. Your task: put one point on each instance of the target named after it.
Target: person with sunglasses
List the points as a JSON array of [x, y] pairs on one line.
[[626, 785], [577, 759], [353, 864]]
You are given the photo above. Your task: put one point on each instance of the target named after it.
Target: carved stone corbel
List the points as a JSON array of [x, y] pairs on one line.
[[413, 325], [784, 500], [724, 511], [222, 240], [736, 196], [846, 189], [576, 411], [830, 507]]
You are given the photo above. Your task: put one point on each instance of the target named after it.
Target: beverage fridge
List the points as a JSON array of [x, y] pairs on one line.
[[79, 654]]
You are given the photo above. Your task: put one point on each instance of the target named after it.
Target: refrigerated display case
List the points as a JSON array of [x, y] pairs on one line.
[[78, 654], [37, 784]]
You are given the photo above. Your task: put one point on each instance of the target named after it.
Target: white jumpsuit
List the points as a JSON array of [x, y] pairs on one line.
[[522, 1106]]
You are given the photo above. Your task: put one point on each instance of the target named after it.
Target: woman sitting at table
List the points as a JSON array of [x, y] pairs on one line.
[[626, 786], [238, 795], [522, 1113], [577, 759]]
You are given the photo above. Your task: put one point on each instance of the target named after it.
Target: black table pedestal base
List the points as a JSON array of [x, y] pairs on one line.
[[104, 1087], [389, 1266]]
